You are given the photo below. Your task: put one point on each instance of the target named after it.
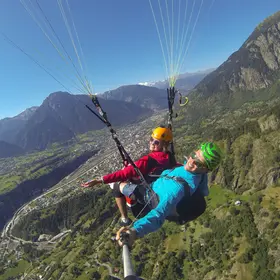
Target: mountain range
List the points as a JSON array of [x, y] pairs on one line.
[[184, 83], [9, 150], [9, 127], [62, 116]]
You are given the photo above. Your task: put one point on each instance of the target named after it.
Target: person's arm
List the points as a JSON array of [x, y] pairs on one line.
[[92, 183], [127, 172], [155, 218]]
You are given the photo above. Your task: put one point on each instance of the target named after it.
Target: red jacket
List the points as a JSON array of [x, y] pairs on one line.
[[128, 173]]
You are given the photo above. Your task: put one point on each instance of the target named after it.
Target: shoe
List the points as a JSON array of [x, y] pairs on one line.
[[124, 222]]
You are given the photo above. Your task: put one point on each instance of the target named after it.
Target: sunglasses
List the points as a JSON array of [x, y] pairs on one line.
[[197, 161], [154, 141]]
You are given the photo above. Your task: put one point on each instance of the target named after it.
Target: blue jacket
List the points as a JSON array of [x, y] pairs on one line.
[[169, 192]]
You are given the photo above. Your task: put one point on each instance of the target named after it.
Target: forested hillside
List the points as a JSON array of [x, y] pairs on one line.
[[227, 242]]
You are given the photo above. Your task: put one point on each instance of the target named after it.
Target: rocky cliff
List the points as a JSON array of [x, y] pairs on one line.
[[253, 67]]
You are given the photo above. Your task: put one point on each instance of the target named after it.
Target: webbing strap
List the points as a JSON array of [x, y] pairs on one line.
[[177, 179]]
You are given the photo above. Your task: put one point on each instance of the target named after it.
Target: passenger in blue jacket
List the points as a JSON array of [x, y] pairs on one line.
[[170, 189]]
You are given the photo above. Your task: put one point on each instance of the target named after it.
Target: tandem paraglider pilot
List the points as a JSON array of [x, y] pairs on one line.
[[171, 193], [172, 189]]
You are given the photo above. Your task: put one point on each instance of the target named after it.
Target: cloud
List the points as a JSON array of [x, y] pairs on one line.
[[144, 84], [147, 84]]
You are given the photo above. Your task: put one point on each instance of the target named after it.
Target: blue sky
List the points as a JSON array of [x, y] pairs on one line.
[[119, 41]]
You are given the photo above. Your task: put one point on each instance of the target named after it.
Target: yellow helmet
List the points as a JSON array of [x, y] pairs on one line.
[[162, 134]]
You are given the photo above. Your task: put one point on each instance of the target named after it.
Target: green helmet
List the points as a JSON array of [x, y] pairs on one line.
[[212, 154]]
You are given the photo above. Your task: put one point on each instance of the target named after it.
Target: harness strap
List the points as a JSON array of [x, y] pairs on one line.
[[177, 179], [155, 168]]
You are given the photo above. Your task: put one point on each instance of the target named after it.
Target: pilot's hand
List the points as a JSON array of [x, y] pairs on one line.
[[91, 183], [131, 236]]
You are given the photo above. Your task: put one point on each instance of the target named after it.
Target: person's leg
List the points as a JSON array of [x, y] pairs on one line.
[[136, 192], [121, 203], [125, 189]]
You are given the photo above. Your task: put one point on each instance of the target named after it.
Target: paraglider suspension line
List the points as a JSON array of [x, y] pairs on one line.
[[125, 156]]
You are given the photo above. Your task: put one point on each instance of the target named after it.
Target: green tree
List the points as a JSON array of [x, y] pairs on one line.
[[246, 257], [95, 275], [75, 270]]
